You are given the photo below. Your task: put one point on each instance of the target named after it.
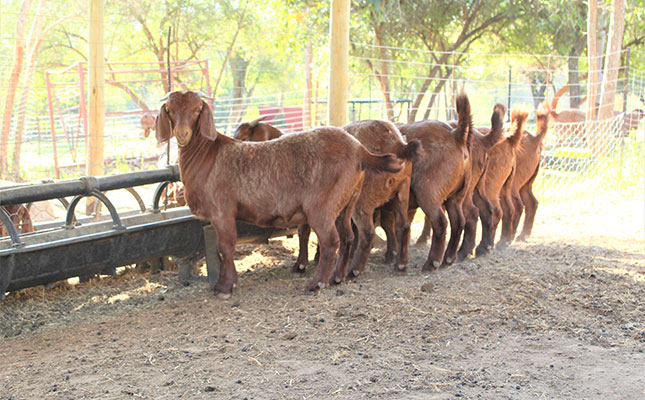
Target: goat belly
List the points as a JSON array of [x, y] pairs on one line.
[[271, 219]]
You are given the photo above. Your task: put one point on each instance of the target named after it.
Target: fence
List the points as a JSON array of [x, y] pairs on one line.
[[401, 84]]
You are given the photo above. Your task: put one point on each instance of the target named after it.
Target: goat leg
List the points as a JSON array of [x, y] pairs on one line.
[[329, 242], [226, 232], [457, 224], [402, 224], [531, 205], [507, 220], [365, 224], [344, 228], [303, 252], [439, 226], [486, 212], [387, 223], [471, 214], [425, 233]]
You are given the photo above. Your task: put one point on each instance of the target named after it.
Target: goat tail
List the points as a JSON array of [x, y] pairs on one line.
[[465, 120], [380, 163], [519, 114], [496, 126], [543, 118], [411, 151]]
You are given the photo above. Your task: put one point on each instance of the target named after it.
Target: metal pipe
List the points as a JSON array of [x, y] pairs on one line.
[[85, 185]]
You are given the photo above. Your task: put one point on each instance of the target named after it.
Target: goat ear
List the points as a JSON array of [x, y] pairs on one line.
[[162, 125], [206, 123]]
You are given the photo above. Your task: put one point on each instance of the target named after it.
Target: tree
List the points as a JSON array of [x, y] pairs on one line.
[[612, 60], [34, 41], [16, 70]]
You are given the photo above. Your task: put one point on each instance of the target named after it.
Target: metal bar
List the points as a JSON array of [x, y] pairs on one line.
[[85, 186], [69, 219]]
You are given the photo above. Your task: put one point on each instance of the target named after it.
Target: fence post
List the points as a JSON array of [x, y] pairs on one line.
[[51, 123], [96, 71], [338, 63], [623, 131], [508, 104]]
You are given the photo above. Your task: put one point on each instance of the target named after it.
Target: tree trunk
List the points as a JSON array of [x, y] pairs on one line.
[[574, 75], [307, 118], [592, 51], [435, 93], [238, 70], [384, 78], [612, 60], [539, 84], [12, 86], [34, 40]]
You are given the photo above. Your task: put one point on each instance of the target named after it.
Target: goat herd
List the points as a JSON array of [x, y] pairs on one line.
[[327, 178]]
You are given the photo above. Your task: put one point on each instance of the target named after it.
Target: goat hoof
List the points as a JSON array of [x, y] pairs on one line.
[[400, 269], [389, 257], [298, 269], [430, 267], [314, 287], [222, 295], [521, 238]]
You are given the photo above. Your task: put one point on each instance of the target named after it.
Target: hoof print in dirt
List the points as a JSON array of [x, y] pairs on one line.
[[427, 287]]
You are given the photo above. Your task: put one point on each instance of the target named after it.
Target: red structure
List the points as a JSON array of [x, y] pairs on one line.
[[134, 79]]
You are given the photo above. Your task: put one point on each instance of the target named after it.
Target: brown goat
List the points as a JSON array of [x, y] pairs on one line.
[[495, 185], [389, 190], [256, 131], [527, 165], [441, 177], [572, 134], [20, 217], [147, 124], [309, 178], [482, 140]]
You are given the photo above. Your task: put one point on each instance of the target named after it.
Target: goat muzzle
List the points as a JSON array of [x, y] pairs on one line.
[[183, 135]]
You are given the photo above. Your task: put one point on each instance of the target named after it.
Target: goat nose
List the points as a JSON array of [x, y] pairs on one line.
[[181, 132]]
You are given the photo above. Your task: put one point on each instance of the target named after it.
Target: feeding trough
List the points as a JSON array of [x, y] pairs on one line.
[[71, 249]]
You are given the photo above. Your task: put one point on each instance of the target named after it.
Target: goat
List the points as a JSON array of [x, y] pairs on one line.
[[495, 184], [482, 140], [631, 120], [527, 165], [147, 124], [442, 176], [20, 217], [388, 190], [307, 178], [256, 131]]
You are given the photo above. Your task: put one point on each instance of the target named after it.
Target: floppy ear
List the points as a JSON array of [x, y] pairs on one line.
[[162, 124], [206, 123]]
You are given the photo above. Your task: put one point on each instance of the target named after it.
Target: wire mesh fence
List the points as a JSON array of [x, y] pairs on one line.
[[47, 128]]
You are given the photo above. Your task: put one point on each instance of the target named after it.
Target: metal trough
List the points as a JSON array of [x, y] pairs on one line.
[[72, 249]]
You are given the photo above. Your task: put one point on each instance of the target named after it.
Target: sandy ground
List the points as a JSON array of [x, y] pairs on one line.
[[561, 316]]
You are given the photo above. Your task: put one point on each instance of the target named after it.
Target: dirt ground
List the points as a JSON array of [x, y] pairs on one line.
[[561, 316]]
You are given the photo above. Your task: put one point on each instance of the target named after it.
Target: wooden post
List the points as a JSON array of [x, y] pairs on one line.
[[96, 72], [338, 63], [306, 109]]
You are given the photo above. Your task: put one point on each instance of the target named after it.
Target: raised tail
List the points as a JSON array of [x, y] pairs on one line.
[[410, 151], [519, 114], [465, 121], [380, 163], [543, 118], [496, 126]]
